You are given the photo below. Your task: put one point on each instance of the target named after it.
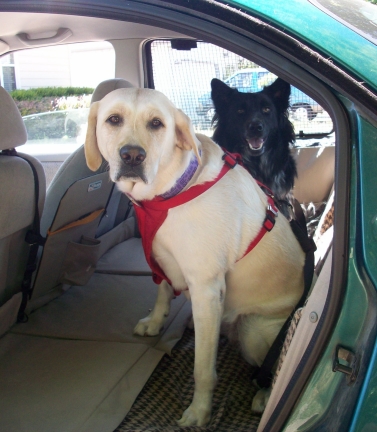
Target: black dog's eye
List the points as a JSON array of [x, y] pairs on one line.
[[114, 119], [266, 109], [156, 123], [240, 111]]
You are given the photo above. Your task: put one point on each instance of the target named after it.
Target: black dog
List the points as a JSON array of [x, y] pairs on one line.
[[256, 125]]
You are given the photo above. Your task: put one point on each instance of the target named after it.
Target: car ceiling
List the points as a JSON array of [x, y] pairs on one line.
[[83, 29]]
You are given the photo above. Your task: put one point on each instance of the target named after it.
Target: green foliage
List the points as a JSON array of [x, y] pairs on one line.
[[43, 99], [52, 92], [27, 107]]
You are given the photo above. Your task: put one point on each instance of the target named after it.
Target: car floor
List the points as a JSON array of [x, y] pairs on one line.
[[170, 389], [75, 365]]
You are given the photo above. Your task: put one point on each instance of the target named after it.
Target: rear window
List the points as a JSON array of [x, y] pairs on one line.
[[52, 87], [183, 70]]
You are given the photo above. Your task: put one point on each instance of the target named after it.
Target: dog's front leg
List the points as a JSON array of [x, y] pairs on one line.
[[207, 306], [153, 323]]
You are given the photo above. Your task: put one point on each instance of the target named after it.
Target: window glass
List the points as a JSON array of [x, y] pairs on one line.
[[52, 87], [185, 77]]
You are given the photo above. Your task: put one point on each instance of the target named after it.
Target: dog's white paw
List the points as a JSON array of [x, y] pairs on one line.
[[195, 416], [260, 400], [148, 327]]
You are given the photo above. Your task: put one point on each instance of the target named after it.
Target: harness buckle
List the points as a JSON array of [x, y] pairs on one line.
[[269, 221], [271, 213], [272, 209], [230, 160]]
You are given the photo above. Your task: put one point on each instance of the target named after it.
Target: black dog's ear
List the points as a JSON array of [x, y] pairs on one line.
[[221, 94], [280, 91]]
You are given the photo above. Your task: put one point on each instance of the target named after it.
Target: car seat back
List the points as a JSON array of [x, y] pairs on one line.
[[22, 180], [80, 206], [315, 174]]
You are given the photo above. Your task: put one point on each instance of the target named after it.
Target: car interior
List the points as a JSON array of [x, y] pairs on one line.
[[69, 360]]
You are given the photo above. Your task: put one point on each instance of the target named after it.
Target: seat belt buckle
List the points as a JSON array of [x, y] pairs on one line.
[[33, 238]]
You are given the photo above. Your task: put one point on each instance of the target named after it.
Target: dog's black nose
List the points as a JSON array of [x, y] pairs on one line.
[[256, 127], [132, 154]]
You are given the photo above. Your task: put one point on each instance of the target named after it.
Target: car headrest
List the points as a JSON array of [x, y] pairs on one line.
[[108, 86], [12, 128]]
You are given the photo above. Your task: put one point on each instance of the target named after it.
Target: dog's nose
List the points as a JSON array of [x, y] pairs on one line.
[[132, 155], [256, 127]]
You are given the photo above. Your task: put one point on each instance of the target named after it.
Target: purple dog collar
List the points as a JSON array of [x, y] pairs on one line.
[[183, 181]]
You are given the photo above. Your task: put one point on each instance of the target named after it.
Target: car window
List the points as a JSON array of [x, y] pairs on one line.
[[185, 75], [52, 87]]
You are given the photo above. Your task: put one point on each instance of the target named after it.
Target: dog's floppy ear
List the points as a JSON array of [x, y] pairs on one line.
[[280, 91], [185, 137], [92, 154]]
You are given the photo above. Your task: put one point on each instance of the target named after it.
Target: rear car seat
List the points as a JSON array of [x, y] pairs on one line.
[[315, 174], [314, 188], [75, 168], [80, 206]]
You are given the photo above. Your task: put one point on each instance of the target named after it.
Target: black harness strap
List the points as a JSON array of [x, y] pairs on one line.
[[33, 238], [264, 375]]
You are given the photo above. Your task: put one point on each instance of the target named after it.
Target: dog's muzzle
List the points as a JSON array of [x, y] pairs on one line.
[[132, 157], [254, 138]]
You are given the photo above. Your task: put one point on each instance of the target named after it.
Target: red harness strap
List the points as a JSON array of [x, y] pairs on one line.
[[152, 213], [268, 224]]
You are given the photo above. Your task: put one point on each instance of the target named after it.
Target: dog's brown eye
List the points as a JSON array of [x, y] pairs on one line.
[[156, 123], [266, 110], [240, 111], [114, 119]]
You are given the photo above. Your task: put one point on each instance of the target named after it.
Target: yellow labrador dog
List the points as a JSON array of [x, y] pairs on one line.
[[150, 146]]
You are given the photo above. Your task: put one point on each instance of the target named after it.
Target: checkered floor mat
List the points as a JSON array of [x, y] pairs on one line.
[[169, 391]]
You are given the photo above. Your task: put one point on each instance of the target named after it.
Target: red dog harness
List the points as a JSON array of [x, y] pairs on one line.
[[152, 213]]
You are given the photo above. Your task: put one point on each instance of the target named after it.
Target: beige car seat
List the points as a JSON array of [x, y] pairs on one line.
[[81, 205], [22, 185]]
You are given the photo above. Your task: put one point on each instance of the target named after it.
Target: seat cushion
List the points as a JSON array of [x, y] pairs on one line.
[[68, 385], [125, 258], [107, 309]]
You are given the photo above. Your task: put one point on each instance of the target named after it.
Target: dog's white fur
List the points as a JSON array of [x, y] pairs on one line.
[[199, 243]]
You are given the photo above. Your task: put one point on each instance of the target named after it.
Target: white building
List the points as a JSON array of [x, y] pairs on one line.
[[73, 65]]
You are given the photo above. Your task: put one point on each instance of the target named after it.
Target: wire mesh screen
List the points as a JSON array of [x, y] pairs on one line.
[[183, 72]]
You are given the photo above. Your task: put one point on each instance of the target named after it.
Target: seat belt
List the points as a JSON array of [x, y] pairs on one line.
[[33, 238], [264, 375]]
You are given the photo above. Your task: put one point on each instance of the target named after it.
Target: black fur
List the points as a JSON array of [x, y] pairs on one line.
[[260, 120]]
